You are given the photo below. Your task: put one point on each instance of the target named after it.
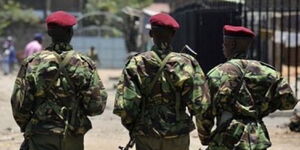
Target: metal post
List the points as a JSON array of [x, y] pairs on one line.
[[252, 25], [281, 35], [259, 32], [297, 44], [274, 30], [267, 29], [289, 41], [245, 13]]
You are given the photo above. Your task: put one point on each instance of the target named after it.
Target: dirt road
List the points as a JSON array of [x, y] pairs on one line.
[[108, 133]]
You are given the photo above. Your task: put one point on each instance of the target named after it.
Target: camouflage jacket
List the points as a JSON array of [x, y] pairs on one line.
[[43, 99], [243, 92], [158, 113]]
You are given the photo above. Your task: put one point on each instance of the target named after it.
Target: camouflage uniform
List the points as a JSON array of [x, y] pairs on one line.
[[161, 114], [43, 100], [243, 92]]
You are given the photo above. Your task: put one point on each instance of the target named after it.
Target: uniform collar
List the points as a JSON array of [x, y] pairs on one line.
[[59, 47], [241, 55], [161, 53]]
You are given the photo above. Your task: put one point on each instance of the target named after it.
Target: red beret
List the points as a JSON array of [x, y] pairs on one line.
[[61, 18], [164, 20], [238, 31]]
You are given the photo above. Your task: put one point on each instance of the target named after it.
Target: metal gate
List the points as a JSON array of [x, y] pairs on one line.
[[276, 23]]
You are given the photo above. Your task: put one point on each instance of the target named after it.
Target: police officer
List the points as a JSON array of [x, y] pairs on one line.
[[55, 90], [93, 55], [243, 92], [155, 90]]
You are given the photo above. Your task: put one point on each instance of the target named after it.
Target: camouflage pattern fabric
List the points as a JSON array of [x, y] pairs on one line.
[[154, 143], [39, 107], [243, 92], [159, 119]]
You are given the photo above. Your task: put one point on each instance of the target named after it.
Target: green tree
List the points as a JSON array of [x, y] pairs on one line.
[[115, 9], [114, 6], [11, 13]]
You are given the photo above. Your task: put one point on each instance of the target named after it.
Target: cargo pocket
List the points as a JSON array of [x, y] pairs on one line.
[[232, 134]]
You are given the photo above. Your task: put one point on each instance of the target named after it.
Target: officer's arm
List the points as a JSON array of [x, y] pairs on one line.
[[284, 97], [206, 123], [198, 101], [128, 96], [95, 97], [22, 99]]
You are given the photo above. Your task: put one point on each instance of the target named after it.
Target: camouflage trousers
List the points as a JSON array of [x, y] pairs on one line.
[[224, 148], [155, 143], [55, 142]]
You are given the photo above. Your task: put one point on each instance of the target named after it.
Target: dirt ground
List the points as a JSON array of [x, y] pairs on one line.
[[108, 133]]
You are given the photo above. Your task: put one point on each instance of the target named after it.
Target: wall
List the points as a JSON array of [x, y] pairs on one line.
[[111, 51]]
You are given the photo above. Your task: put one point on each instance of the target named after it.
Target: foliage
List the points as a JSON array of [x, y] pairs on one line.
[[11, 12], [112, 21], [112, 7]]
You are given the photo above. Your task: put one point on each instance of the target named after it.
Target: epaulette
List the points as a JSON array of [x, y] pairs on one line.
[[267, 65], [92, 65]]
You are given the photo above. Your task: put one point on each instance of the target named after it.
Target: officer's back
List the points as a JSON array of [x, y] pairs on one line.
[[156, 90], [56, 90], [243, 92]]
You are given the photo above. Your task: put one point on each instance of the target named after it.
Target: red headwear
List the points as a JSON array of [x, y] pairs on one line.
[[164, 20], [237, 31], [61, 18]]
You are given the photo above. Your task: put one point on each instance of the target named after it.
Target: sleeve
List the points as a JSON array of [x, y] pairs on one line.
[[206, 123], [128, 96], [284, 97], [22, 99], [198, 101], [95, 97]]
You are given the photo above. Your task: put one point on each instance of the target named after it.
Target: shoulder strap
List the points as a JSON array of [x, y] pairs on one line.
[[62, 68], [157, 75], [57, 109], [71, 122], [177, 94], [62, 65]]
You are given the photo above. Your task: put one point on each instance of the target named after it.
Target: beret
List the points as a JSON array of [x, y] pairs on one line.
[[164, 20], [238, 31], [61, 18]]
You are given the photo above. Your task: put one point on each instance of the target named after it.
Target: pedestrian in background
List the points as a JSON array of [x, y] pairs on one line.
[[56, 90], [34, 46], [93, 55], [157, 88], [243, 92], [9, 56]]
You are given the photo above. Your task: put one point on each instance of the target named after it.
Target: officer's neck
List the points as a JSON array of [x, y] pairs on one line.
[[238, 55], [67, 41]]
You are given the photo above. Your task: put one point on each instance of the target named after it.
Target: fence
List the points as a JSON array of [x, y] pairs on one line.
[[111, 51], [276, 23]]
